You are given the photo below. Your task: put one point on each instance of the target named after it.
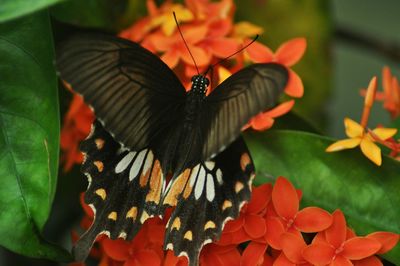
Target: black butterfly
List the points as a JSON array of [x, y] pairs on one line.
[[148, 126]]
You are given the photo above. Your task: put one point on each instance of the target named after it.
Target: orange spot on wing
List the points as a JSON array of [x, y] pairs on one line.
[[144, 178], [244, 161], [156, 181], [99, 165], [177, 187], [132, 213]]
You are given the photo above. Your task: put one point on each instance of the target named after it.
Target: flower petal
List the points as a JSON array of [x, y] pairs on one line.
[[312, 219], [358, 248], [371, 151], [253, 253], [228, 257], [281, 109], [341, 261], [371, 92], [343, 144], [147, 257], [336, 233], [234, 225], [116, 249], [171, 58], [319, 253], [202, 57], [284, 198], [259, 53], [388, 240], [261, 122], [294, 87], [292, 245], [275, 229], [353, 129], [254, 226], [244, 29], [237, 237], [282, 260], [290, 52], [221, 47], [260, 197], [370, 261], [384, 133]]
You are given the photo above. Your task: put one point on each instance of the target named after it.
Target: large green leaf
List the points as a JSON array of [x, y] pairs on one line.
[[10, 9], [368, 195], [29, 135]]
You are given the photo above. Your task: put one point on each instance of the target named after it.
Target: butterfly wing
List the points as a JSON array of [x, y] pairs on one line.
[[231, 105], [206, 197], [125, 188], [130, 89]]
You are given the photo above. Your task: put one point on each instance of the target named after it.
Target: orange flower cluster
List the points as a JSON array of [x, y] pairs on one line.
[[211, 36], [76, 127], [271, 224]]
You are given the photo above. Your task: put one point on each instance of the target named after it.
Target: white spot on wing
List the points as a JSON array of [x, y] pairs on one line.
[[210, 165], [149, 161], [136, 165], [210, 189], [200, 183], [219, 176], [123, 164], [194, 175]]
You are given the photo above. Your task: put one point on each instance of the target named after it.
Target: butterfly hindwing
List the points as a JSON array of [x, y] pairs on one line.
[[125, 188], [206, 197], [129, 88], [236, 100]]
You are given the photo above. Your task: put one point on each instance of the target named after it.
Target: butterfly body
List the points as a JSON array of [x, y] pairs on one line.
[[148, 127]]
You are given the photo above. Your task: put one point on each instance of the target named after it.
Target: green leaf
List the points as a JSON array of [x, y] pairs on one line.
[[367, 194], [11, 9], [29, 135], [102, 14]]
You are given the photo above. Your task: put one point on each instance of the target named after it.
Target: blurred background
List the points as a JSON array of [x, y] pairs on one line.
[[349, 41]]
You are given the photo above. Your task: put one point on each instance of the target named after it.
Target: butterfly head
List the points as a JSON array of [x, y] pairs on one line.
[[200, 84]]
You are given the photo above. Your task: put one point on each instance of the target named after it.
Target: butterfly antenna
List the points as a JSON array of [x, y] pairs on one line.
[[184, 41], [235, 53]]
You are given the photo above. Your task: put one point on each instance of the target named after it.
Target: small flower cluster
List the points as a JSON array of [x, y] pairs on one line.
[[271, 227], [76, 127], [360, 135], [211, 36]]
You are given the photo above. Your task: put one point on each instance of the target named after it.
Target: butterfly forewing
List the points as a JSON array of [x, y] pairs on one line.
[[236, 100], [129, 88], [125, 188]]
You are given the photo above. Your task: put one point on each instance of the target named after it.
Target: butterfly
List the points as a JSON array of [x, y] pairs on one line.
[[148, 128]]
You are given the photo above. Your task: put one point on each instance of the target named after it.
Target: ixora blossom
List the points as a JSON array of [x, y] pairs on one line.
[[391, 93], [340, 246], [211, 35], [360, 136], [251, 240]]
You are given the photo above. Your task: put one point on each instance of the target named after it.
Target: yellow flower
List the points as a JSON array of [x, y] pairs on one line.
[[358, 136], [167, 22]]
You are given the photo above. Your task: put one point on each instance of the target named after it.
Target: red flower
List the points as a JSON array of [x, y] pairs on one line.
[[336, 249], [145, 249], [289, 219], [76, 127], [288, 54], [264, 121]]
